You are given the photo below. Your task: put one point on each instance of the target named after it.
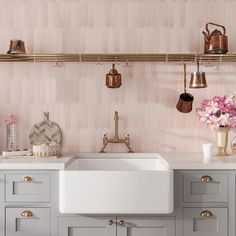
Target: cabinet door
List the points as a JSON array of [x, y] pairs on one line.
[[205, 221], [86, 226], [28, 222], [146, 226]]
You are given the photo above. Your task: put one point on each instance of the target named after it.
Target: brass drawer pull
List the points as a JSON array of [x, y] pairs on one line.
[[206, 178], [26, 214], [121, 222], [26, 178], [206, 214], [110, 222]]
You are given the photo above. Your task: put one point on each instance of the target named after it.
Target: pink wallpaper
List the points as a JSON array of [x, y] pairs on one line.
[[75, 94]]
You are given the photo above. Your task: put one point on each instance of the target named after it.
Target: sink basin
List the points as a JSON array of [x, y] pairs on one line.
[[117, 184]]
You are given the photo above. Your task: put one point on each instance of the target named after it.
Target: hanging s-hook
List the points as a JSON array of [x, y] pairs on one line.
[[99, 61], [116, 63], [127, 63], [57, 64]]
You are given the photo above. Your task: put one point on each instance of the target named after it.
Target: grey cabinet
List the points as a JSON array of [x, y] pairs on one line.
[[205, 222], [205, 187], [146, 226], [113, 226], [86, 226], [27, 187], [28, 221]]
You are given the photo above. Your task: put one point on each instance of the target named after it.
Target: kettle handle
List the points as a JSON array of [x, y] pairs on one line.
[[210, 23]]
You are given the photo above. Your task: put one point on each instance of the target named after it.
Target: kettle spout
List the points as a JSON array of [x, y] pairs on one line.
[[206, 37]]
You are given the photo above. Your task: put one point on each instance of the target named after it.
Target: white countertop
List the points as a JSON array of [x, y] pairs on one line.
[[36, 163], [177, 161], [186, 161]]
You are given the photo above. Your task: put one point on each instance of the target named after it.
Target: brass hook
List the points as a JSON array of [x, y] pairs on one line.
[[116, 61], [99, 61], [127, 63]]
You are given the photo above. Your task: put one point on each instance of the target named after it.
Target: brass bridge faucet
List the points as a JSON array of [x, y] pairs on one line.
[[116, 138]]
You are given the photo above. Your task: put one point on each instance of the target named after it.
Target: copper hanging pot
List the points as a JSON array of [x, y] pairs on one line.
[[113, 78], [215, 42], [198, 79], [185, 102]]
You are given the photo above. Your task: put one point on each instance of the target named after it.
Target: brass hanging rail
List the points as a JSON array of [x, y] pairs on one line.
[[117, 58]]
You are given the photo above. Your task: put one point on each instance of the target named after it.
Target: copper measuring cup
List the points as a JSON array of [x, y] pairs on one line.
[[185, 102]]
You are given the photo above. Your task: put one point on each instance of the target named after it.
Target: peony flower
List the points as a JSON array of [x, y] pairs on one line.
[[10, 119]]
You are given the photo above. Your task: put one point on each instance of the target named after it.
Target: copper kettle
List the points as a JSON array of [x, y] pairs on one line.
[[216, 42]]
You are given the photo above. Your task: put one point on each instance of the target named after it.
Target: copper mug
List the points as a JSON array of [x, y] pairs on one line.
[[16, 47], [185, 102]]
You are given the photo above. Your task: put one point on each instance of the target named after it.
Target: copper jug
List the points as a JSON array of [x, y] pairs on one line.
[[216, 42]]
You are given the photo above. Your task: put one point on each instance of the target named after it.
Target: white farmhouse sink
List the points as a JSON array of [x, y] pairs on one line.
[[117, 184]]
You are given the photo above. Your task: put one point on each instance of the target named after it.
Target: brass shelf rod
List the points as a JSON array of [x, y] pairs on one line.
[[117, 58]]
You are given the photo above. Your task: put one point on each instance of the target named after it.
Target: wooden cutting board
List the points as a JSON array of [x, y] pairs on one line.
[[45, 132]]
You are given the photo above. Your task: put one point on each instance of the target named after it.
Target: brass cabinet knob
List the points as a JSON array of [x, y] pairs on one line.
[[26, 178], [206, 213], [110, 222], [26, 213], [121, 222], [206, 178]]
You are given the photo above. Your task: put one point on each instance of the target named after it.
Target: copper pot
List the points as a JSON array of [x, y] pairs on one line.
[[113, 78], [16, 47], [185, 102], [215, 42], [198, 79]]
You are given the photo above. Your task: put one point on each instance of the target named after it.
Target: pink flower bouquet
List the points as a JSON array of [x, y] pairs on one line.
[[10, 119], [220, 111]]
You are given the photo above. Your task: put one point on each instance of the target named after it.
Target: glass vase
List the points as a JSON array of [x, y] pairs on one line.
[[222, 140], [12, 143]]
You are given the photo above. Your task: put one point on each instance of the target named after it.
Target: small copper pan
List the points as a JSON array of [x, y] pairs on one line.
[[185, 102]]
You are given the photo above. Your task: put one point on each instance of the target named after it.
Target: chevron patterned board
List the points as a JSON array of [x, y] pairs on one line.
[[45, 132]]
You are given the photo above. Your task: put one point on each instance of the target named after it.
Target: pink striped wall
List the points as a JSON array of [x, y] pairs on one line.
[[75, 94]]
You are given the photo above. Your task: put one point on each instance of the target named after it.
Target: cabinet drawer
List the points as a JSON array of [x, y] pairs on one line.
[[27, 187], [28, 221], [205, 221], [205, 187]]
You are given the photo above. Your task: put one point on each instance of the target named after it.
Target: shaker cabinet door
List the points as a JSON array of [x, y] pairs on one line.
[[146, 226], [28, 221], [86, 226]]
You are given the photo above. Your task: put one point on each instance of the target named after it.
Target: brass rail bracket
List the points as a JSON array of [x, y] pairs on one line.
[[116, 138]]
